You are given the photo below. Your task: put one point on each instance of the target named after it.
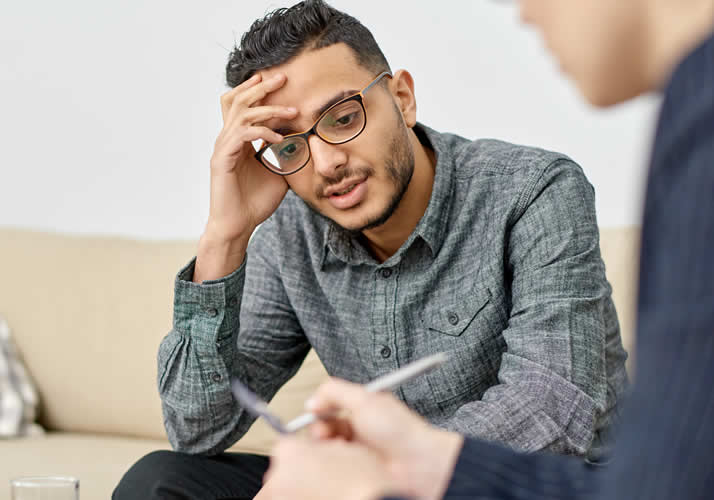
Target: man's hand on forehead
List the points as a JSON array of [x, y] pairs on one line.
[[274, 82], [244, 193]]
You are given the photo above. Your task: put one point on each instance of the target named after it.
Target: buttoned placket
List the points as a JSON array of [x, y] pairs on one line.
[[383, 313]]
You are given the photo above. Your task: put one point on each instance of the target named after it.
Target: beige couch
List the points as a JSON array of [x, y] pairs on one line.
[[88, 314]]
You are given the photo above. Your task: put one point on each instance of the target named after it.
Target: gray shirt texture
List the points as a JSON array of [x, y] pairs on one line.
[[503, 272]]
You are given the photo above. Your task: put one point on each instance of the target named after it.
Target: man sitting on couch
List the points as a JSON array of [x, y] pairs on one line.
[[381, 241]]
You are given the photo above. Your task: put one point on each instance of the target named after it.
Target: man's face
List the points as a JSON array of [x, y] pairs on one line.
[[357, 184], [599, 43]]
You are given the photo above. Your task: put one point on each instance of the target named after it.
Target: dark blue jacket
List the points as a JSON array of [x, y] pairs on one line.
[[665, 448]]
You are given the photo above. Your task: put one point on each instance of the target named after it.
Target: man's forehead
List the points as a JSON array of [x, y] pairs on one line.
[[315, 76]]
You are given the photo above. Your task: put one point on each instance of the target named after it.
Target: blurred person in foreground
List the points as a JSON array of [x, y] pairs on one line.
[[614, 50]]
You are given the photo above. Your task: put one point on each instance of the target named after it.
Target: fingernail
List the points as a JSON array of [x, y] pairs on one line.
[[292, 110], [310, 404]]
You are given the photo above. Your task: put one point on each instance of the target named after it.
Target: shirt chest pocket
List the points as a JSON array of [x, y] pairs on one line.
[[467, 326], [453, 314]]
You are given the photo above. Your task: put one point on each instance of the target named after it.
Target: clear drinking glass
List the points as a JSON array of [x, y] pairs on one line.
[[45, 488]]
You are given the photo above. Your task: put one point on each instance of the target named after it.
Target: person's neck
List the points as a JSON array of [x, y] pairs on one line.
[[676, 27], [385, 240]]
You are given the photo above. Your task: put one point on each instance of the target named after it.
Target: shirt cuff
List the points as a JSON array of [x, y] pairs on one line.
[[201, 309]]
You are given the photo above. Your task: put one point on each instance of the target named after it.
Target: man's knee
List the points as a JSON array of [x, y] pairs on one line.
[[150, 477]]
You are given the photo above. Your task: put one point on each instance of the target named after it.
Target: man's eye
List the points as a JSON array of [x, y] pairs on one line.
[[344, 120], [288, 150]]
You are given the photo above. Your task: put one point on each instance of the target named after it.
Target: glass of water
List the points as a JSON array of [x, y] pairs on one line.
[[45, 488]]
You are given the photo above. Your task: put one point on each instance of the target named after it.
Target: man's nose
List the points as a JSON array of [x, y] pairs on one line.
[[326, 158]]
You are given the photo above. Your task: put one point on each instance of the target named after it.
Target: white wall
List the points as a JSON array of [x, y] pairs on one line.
[[109, 110]]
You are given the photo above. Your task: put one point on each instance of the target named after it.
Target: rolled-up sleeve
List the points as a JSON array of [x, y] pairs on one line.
[[195, 361], [241, 325]]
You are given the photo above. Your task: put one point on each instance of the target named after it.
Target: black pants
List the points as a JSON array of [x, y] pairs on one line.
[[172, 475]]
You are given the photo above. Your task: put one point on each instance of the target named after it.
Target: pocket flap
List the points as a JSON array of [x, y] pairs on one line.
[[455, 314]]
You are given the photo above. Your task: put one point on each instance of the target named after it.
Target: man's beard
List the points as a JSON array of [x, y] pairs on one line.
[[399, 167]]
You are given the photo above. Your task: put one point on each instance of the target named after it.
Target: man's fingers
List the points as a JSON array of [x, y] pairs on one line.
[[332, 429], [231, 143], [321, 430], [236, 136], [228, 97], [257, 132], [236, 104], [259, 91], [262, 114], [337, 394]]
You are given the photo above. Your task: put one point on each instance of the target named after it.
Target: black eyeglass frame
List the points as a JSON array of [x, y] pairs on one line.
[[359, 97]]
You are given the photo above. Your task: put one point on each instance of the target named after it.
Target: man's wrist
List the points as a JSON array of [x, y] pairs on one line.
[[216, 259]]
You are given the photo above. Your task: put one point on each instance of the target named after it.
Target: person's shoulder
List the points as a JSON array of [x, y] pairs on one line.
[[497, 157], [493, 167], [685, 121]]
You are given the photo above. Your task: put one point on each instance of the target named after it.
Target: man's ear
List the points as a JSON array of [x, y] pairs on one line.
[[402, 87]]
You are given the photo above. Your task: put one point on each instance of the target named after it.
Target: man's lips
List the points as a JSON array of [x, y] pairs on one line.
[[343, 187], [356, 194]]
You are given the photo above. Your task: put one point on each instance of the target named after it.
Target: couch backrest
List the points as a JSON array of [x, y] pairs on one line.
[[620, 248], [88, 313]]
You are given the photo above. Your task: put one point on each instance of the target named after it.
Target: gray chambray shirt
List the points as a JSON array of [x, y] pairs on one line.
[[503, 272]]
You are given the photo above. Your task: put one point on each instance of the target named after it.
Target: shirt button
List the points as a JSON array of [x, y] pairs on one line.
[[386, 352], [212, 312], [386, 273], [216, 377], [453, 318]]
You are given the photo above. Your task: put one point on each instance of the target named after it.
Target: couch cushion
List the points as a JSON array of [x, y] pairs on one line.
[[99, 462], [88, 314]]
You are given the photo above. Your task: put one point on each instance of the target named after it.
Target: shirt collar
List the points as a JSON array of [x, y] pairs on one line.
[[431, 227]]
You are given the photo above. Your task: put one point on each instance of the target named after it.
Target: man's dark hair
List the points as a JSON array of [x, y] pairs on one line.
[[285, 33]]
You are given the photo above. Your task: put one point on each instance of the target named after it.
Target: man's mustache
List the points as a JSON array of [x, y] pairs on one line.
[[341, 175]]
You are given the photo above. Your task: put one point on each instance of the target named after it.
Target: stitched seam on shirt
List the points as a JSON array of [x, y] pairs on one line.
[[394, 315], [169, 359], [527, 193]]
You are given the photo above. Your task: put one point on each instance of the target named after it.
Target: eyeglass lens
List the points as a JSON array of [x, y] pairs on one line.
[[340, 124]]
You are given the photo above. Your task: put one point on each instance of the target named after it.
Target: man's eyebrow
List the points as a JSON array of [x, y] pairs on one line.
[[334, 100], [316, 114]]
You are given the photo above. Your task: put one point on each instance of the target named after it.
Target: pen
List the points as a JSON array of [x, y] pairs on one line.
[[386, 382]]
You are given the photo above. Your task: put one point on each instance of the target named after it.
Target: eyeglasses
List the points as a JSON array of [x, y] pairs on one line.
[[340, 123]]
